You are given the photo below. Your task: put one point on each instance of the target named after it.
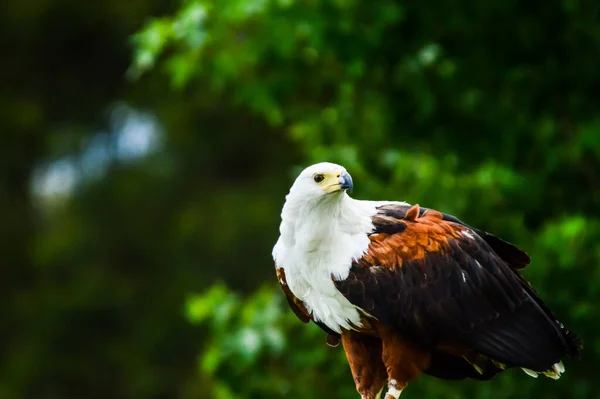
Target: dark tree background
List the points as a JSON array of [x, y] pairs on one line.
[[147, 147]]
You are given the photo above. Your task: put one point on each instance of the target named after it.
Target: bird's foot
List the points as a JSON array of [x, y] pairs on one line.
[[393, 392]]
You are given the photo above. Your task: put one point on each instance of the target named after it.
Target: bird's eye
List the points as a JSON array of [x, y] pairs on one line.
[[318, 178]]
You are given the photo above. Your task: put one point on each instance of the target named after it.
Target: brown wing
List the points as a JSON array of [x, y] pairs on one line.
[[439, 282], [300, 311]]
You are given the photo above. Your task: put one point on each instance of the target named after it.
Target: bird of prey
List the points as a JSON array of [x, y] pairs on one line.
[[410, 290]]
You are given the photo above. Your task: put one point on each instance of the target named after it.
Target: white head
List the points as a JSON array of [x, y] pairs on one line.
[[321, 181], [315, 201]]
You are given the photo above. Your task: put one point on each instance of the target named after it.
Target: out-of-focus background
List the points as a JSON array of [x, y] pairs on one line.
[[147, 147]]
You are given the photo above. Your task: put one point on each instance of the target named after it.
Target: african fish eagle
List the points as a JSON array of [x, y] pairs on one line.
[[410, 290]]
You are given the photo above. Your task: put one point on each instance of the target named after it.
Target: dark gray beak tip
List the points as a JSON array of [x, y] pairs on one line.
[[346, 182]]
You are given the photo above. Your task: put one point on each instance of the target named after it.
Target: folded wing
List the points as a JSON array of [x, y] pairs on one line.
[[440, 283]]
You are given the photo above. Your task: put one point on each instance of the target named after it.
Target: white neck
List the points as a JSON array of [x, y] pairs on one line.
[[310, 222]]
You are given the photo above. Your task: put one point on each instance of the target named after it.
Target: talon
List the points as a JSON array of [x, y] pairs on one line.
[[393, 391], [333, 340]]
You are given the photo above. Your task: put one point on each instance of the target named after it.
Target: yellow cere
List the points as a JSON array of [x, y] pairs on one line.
[[331, 181]]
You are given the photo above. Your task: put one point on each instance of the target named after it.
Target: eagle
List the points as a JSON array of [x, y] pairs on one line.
[[410, 290]]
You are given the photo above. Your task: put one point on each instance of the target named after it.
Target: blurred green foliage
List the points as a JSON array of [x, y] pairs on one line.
[[112, 286]]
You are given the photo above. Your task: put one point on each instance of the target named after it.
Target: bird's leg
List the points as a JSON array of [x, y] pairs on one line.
[[403, 362], [364, 356]]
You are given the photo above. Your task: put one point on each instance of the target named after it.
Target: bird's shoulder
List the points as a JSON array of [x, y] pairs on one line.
[[405, 232]]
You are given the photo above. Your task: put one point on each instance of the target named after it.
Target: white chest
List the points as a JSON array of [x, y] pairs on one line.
[[310, 271]]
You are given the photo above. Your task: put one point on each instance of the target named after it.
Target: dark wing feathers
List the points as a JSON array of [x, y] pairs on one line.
[[435, 280], [450, 367]]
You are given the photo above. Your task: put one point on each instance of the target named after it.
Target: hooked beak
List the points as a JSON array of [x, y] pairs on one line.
[[345, 181]]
